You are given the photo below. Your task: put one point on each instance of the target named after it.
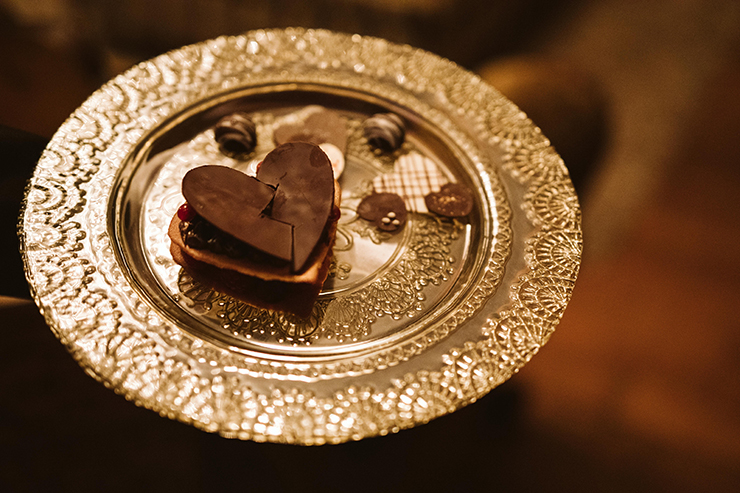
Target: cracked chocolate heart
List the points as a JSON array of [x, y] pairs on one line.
[[282, 211]]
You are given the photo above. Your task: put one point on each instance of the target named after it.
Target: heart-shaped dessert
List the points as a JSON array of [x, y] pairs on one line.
[[235, 203], [282, 212]]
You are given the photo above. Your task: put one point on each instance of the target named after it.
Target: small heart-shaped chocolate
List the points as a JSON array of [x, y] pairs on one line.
[[282, 211]]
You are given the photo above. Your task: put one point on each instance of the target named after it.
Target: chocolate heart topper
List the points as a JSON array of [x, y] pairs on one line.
[[282, 211]]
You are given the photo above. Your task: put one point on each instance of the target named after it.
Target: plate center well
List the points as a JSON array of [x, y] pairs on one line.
[[382, 287]]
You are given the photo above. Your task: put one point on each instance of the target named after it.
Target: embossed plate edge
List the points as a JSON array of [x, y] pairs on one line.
[[105, 335]]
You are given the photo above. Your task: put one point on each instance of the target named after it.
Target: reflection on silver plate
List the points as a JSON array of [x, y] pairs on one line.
[[408, 327]]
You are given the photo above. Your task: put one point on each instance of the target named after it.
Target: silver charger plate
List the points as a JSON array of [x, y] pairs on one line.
[[408, 327]]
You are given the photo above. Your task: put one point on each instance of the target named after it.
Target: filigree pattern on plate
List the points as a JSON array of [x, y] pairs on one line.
[[397, 294]]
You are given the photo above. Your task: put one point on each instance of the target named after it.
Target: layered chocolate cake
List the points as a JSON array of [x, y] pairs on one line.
[[265, 239]]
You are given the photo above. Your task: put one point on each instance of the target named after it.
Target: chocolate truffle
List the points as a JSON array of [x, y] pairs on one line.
[[385, 131], [236, 135]]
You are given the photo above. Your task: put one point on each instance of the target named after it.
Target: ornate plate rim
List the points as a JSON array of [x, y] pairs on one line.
[[133, 360]]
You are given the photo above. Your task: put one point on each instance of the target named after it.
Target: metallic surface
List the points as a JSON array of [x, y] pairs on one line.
[[409, 327]]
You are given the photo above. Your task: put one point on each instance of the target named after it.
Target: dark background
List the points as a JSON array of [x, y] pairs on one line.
[[638, 389]]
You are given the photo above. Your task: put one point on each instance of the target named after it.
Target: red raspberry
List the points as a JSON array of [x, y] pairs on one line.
[[186, 213]]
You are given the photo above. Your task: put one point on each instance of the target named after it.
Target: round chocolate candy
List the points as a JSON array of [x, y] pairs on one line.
[[453, 200], [236, 135], [385, 210], [385, 131]]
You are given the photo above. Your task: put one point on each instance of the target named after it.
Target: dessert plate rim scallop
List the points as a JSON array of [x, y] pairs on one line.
[[529, 235]]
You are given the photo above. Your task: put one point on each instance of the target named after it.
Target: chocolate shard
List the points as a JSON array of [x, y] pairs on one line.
[[302, 176]]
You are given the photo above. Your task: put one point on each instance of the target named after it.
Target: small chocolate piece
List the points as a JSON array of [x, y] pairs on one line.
[[453, 200], [236, 135], [314, 124], [385, 131], [386, 210], [198, 234], [414, 176], [233, 247]]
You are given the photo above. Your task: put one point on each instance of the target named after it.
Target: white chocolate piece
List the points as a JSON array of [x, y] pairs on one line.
[[336, 156]]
